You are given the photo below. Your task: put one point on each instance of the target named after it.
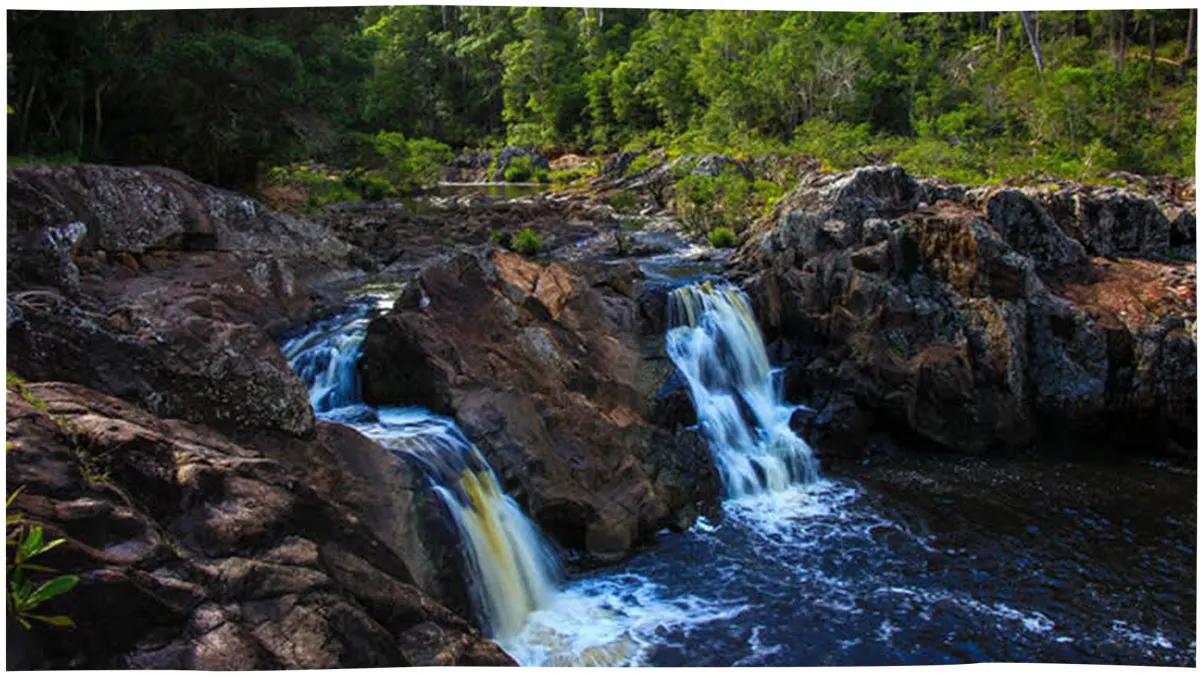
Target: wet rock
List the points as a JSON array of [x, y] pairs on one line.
[[195, 551], [543, 367]]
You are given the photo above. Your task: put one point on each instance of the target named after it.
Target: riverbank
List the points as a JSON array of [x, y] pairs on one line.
[[912, 315]]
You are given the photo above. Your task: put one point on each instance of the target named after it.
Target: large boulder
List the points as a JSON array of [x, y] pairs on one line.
[[135, 210], [977, 325], [146, 285], [546, 369], [196, 552]]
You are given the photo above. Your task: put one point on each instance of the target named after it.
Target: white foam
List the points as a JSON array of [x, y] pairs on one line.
[[614, 621]]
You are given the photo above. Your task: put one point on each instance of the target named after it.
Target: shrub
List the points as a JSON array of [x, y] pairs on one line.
[[722, 237], [411, 164], [520, 169], [624, 202], [541, 176], [527, 243], [642, 162]]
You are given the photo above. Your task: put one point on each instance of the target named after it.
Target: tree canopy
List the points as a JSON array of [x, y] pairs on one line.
[[223, 93]]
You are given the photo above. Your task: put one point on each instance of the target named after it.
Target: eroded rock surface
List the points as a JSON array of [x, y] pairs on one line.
[[982, 321], [196, 552], [554, 373]]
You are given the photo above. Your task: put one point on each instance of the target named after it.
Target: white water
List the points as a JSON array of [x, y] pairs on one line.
[[715, 343], [512, 569]]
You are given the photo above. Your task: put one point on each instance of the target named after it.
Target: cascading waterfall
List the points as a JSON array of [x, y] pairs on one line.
[[715, 343], [512, 568]]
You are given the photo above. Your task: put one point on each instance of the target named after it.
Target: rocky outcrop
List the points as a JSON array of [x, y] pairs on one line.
[[196, 552], [128, 210], [555, 375], [979, 322], [151, 287]]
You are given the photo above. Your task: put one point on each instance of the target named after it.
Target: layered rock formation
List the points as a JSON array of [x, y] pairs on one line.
[[195, 552], [555, 374], [982, 320], [213, 521]]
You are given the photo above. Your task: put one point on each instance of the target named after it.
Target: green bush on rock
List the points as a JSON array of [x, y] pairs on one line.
[[722, 237], [527, 243]]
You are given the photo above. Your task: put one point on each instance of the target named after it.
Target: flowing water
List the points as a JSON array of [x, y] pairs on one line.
[[715, 343], [933, 561], [511, 568], [913, 560]]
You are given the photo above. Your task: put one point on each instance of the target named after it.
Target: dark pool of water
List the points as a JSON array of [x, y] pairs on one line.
[[917, 561]]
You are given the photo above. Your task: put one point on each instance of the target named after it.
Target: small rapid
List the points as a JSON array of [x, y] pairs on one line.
[[715, 343], [512, 569]]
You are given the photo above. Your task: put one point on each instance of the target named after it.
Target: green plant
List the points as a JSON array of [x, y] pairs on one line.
[[411, 164], [25, 541], [624, 202], [503, 239], [642, 162], [520, 169], [527, 243], [722, 237]]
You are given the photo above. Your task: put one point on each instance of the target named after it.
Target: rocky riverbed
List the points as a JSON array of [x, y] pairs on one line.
[[215, 521]]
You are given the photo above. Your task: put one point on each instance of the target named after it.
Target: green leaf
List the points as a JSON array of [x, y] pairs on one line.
[[32, 544], [13, 496], [52, 588], [60, 620]]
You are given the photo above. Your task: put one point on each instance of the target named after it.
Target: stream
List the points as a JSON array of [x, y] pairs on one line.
[[914, 560]]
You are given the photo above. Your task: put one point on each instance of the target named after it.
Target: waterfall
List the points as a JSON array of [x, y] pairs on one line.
[[512, 569], [715, 343]]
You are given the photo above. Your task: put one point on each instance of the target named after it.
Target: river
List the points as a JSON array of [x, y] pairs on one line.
[[922, 559]]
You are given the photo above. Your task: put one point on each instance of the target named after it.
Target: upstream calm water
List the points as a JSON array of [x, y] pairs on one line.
[[918, 560]]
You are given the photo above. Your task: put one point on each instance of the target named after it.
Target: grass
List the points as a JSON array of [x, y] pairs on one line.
[[527, 243]]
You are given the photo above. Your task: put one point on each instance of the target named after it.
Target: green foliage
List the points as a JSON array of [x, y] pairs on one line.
[[728, 200], [722, 237], [411, 164], [641, 163], [623, 202], [224, 94], [503, 239], [571, 176], [527, 243], [24, 594], [520, 169]]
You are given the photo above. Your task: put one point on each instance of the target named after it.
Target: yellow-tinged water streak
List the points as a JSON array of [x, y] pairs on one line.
[[715, 343], [514, 567]]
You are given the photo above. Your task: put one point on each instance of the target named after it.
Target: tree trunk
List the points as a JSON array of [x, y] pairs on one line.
[[1153, 50], [1000, 34], [1191, 43], [1124, 42], [99, 118], [1033, 41]]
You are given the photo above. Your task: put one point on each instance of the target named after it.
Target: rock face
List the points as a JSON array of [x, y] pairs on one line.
[[555, 375], [195, 552], [133, 211], [146, 285], [976, 319]]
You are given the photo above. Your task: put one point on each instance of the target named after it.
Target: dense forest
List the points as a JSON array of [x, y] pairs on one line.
[[226, 94]]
